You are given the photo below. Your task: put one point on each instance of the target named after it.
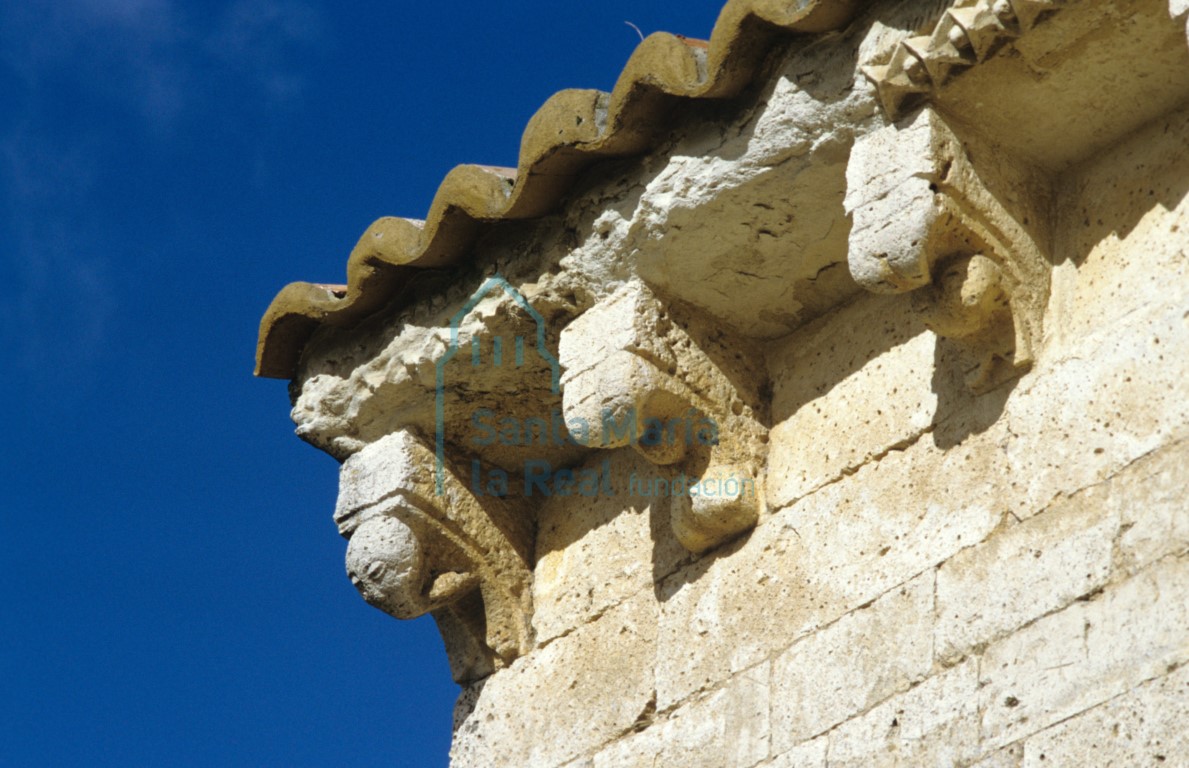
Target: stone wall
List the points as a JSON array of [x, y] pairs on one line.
[[939, 579], [929, 276]]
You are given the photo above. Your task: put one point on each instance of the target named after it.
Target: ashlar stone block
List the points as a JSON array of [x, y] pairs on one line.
[[1089, 653], [578, 692], [851, 665], [934, 724]]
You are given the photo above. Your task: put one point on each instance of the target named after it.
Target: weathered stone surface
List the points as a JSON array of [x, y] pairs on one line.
[[809, 755], [1089, 653], [1023, 572], [934, 724], [1109, 391], [726, 729], [574, 694], [849, 666], [791, 156], [1008, 757], [1030, 116], [1117, 250], [1114, 528], [973, 238], [594, 552], [1150, 499], [829, 554], [891, 198], [635, 750], [898, 517], [722, 616], [1111, 401], [1144, 727], [823, 384]]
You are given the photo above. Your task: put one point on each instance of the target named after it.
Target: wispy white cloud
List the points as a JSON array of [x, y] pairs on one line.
[[119, 49], [141, 15], [258, 37], [160, 56], [57, 298], [151, 62]]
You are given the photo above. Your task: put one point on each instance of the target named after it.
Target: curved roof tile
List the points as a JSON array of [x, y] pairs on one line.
[[570, 132]]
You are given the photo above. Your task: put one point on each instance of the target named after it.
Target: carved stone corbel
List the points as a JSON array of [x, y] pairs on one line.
[[635, 376], [411, 551], [925, 217]]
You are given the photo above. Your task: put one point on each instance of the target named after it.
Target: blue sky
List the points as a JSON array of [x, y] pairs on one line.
[[171, 585]]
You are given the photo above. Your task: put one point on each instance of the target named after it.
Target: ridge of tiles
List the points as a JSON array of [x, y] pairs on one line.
[[573, 130]]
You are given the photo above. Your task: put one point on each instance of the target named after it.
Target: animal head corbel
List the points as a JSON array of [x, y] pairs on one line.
[[412, 551]]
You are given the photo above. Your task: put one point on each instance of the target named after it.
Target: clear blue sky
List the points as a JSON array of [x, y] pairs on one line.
[[171, 585]]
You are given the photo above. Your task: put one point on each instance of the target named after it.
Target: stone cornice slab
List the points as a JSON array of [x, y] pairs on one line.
[[573, 130]]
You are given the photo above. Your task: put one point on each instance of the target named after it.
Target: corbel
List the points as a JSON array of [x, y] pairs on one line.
[[634, 375], [413, 551], [970, 241]]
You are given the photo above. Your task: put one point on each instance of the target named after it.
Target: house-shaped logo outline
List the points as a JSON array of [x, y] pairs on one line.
[[493, 282]]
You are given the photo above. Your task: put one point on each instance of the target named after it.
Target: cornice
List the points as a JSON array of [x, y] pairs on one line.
[[572, 131]]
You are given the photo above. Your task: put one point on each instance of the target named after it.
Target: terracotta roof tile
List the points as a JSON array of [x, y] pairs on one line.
[[573, 130]]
